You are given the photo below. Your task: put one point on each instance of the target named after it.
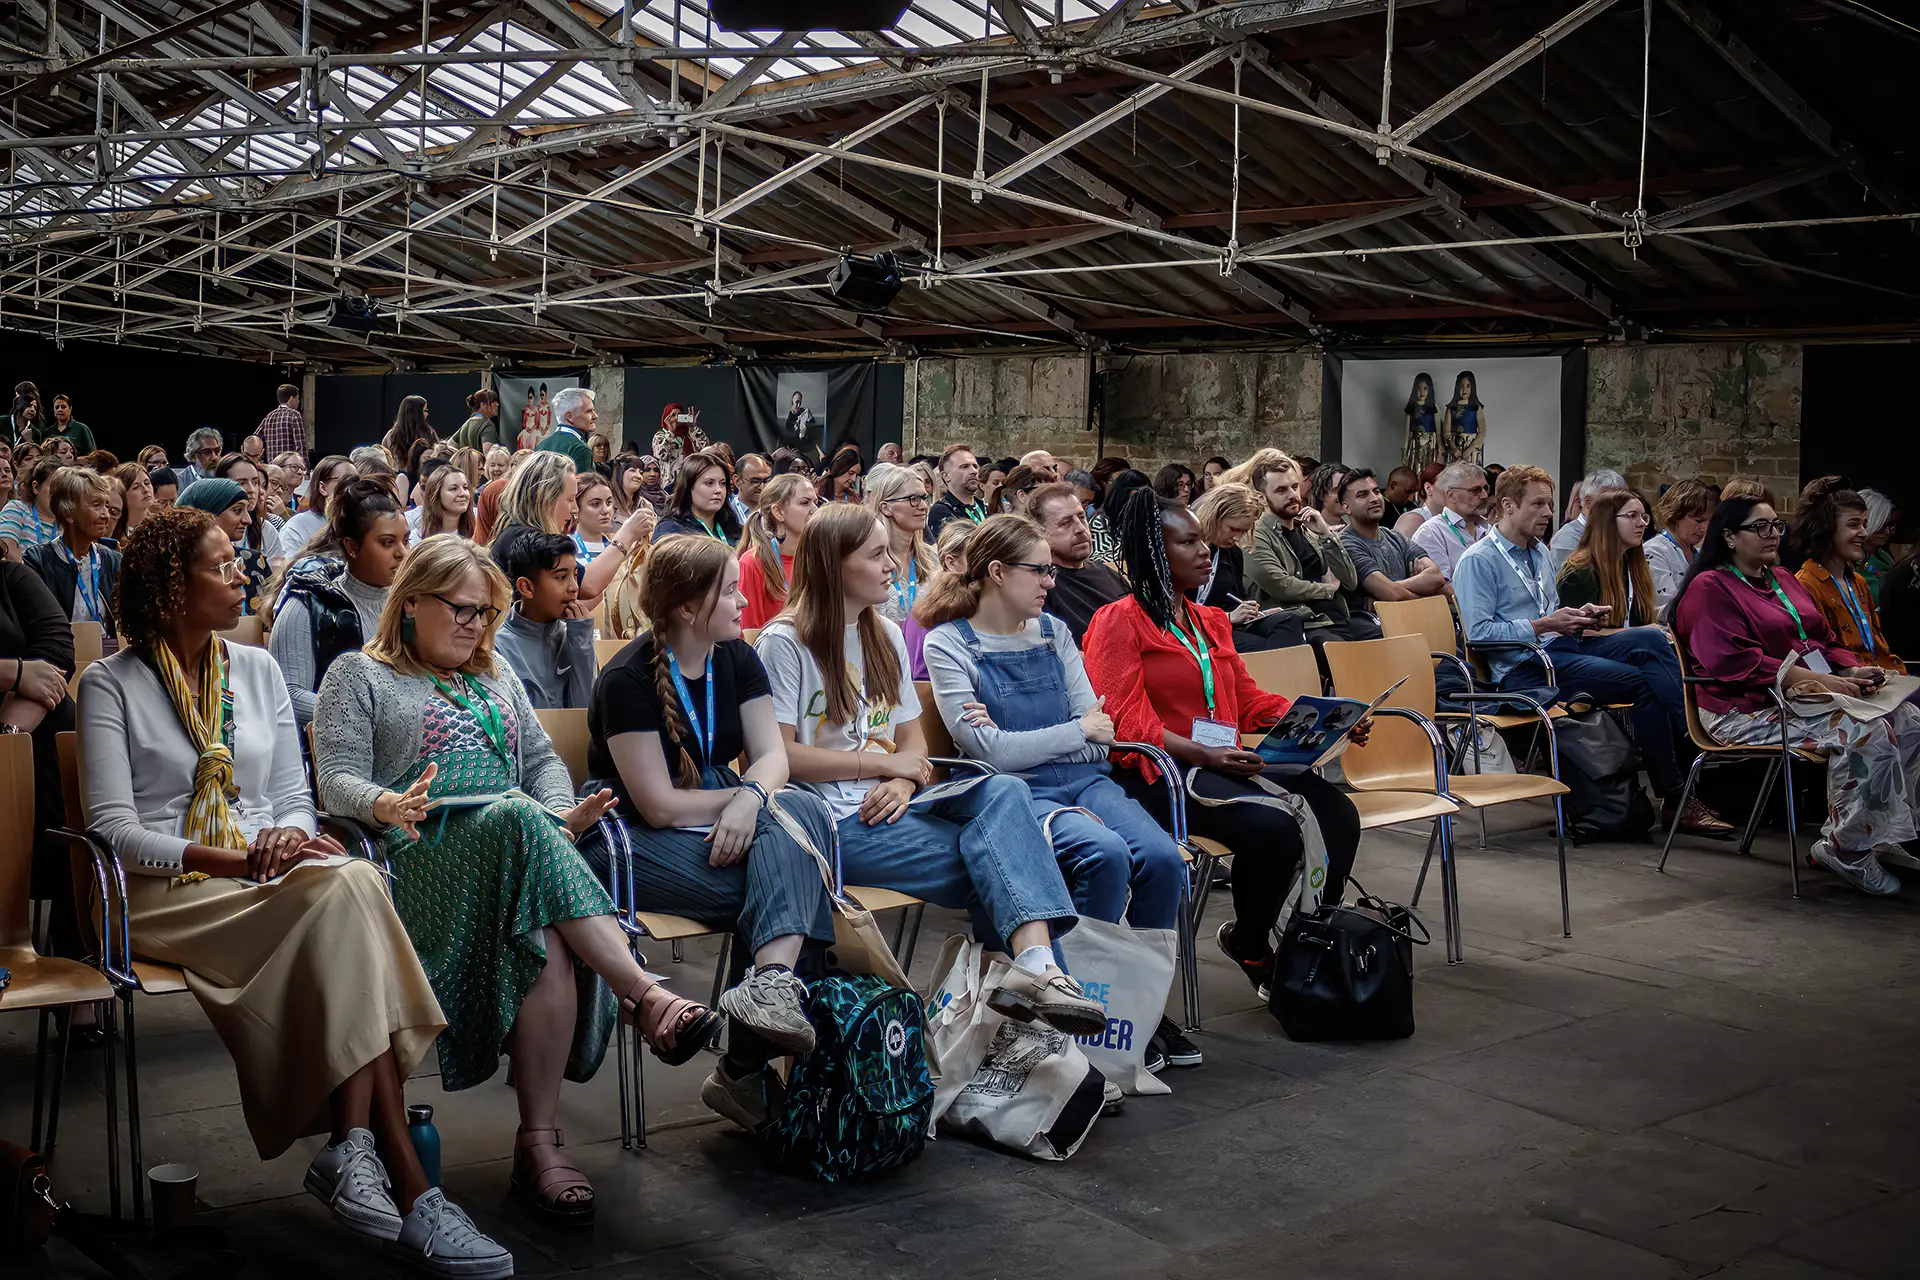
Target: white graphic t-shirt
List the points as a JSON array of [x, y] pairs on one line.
[[800, 700]]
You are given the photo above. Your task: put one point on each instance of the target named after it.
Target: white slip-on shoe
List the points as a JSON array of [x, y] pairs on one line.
[[1866, 874], [350, 1180], [438, 1237]]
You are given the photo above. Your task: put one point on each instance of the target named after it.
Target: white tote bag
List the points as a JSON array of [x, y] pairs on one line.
[[1025, 1087], [1130, 971]]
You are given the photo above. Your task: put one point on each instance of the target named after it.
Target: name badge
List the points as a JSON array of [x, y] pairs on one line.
[[1214, 733], [1816, 661]]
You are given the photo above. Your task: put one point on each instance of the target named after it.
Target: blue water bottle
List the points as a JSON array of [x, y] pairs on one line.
[[426, 1141]]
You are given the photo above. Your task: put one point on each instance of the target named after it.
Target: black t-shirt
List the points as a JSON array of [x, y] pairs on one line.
[[625, 700], [1312, 567], [1078, 594]]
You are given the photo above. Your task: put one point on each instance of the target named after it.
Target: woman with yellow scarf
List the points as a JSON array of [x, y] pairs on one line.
[[191, 770]]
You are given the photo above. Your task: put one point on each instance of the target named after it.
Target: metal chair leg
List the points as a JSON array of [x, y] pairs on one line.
[[1566, 911], [1449, 908], [133, 1113], [913, 936], [1759, 804], [1793, 816], [640, 1090], [679, 951], [64, 1016], [720, 970], [110, 1028], [626, 1088], [40, 1081], [1686, 794], [1420, 884]]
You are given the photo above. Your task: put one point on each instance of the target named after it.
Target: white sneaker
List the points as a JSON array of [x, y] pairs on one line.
[[439, 1237], [1892, 855], [1113, 1099], [772, 1002], [1866, 875], [350, 1180]]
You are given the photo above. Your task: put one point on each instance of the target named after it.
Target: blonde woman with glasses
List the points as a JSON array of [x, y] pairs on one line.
[[542, 495], [424, 735], [901, 499]]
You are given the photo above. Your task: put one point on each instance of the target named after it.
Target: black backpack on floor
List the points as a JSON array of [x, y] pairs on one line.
[[1601, 767]]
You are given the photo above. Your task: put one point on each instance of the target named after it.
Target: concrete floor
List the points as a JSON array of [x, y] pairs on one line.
[[1708, 1078]]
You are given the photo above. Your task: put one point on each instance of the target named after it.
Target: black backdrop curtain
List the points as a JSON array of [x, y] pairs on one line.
[[812, 408]]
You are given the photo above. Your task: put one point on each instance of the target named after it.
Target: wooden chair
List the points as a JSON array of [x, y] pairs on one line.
[[605, 651], [1779, 757], [250, 630], [567, 729], [89, 645], [1398, 757], [48, 985]]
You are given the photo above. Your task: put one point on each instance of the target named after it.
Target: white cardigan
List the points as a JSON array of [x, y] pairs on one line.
[[136, 762]]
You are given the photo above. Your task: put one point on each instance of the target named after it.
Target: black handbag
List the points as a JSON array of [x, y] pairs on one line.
[[1346, 972], [26, 1201]]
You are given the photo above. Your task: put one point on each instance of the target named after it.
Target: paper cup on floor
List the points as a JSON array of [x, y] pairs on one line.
[[173, 1187]]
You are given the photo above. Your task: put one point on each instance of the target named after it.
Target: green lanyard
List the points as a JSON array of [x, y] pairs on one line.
[[1785, 603], [974, 511], [486, 714], [1201, 655], [711, 531]]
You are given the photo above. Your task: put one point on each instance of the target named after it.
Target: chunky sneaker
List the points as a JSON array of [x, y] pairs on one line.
[[1180, 1051], [1866, 875], [438, 1237], [773, 1003], [742, 1100], [352, 1182], [1259, 972], [1052, 997]]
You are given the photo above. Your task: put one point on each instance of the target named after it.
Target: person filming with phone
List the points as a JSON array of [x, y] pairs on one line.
[[1509, 601]]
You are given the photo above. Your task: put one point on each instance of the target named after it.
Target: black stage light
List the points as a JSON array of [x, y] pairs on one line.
[[361, 315]]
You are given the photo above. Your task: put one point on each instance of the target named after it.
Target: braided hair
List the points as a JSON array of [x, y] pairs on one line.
[[1143, 550], [682, 569]]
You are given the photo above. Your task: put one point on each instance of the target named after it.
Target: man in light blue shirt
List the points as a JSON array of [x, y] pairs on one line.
[[1505, 588]]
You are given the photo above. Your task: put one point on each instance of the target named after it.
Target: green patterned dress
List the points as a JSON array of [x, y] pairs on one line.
[[476, 891]]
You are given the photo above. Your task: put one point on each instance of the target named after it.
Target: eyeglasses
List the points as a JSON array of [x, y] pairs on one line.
[[1766, 528], [911, 499], [232, 571], [464, 614], [1047, 572]]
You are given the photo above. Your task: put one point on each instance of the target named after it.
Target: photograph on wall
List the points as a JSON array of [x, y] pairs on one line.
[[811, 409], [804, 397], [1460, 406], [526, 405]]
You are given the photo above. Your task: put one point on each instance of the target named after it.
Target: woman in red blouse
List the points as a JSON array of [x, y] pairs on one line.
[[1171, 677], [1739, 617]]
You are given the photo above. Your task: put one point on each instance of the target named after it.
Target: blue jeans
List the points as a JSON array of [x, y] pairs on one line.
[[981, 851], [1637, 666], [1126, 850]]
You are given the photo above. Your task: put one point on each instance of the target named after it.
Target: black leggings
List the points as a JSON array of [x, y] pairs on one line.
[[1265, 839]]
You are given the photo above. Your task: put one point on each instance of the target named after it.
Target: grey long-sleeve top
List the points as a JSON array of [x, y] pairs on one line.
[[291, 641], [367, 731], [956, 681]]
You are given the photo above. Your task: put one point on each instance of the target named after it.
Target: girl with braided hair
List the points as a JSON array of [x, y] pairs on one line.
[[1171, 677], [670, 716]]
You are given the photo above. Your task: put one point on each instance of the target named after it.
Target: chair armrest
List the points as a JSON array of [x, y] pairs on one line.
[[359, 838], [1698, 680], [1170, 774], [1539, 712], [1466, 672], [110, 882], [950, 763], [1533, 647], [1434, 739]]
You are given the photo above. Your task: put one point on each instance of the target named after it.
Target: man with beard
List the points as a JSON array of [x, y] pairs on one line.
[[960, 472], [1297, 562]]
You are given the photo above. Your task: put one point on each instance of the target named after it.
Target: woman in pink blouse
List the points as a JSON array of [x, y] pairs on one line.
[[1738, 618]]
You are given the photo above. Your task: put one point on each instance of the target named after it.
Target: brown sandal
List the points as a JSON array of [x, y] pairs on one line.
[[674, 1027], [560, 1194]]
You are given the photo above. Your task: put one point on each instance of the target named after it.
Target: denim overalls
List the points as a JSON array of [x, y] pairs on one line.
[[1125, 850]]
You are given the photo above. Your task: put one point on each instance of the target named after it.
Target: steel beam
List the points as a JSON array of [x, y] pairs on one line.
[[842, 148], [1526, 52], [1752, 191]]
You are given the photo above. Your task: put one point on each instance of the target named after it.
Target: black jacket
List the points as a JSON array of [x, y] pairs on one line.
[[948, 508], [315, 581], [62, 577]]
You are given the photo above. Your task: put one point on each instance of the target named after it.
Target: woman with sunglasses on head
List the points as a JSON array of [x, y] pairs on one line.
[[766, 548], [327, 475], [850, 720], [1739, 616], [425, 736], [192, 772], [899, 497], [1171, 677], [1009, 684]]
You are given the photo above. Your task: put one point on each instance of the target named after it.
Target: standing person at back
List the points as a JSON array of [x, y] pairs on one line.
[[482, 429], [65, 426], [1388, 566], [574, 419], [1461, 522], [283, 430], [1298, 563], [960, 472]]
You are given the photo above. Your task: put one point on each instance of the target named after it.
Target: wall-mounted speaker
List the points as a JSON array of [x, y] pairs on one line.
[[819, 15], [870, 284]]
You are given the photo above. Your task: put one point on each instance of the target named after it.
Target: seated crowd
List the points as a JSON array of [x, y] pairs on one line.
[[790, 622]]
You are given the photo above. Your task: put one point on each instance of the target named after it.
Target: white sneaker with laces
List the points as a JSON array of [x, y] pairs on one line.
[[438, 1237], [1866, 875], [772, 1002], [350, 1180]]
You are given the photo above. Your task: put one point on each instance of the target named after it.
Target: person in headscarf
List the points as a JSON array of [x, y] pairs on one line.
[[230, 506], [651, 487]]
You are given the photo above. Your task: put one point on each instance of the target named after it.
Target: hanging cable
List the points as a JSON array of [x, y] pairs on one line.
[[939, 190], [1231, 258], [1636, 233], [1383, 152]]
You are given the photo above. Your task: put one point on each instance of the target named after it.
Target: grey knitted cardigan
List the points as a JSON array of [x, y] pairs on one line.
[[367, 730]]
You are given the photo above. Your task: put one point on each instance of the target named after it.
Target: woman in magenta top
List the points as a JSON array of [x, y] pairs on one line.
[[1739, 617]]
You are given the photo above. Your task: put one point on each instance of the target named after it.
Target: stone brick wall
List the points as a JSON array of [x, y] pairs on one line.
[[1714, 410], [1658, 413]]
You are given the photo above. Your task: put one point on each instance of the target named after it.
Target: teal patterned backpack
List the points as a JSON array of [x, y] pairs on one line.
[[857, 1105]]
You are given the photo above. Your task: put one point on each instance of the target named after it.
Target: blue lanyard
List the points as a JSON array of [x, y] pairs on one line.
[[39, 530], [586, 556], [702, 729], [1854, 607], [93, 602], [905, 598]]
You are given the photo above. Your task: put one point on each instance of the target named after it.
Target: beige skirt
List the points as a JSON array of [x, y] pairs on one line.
[[307, 980]]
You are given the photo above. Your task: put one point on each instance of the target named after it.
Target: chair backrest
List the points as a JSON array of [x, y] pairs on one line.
[[567, 726], [250, 630], [16, 839], [939, 741], [1430, 617], [89, 645], [750, 634], [604, 651], [1398, 755], [85, 893], [1291, 672], [1695, 730]]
